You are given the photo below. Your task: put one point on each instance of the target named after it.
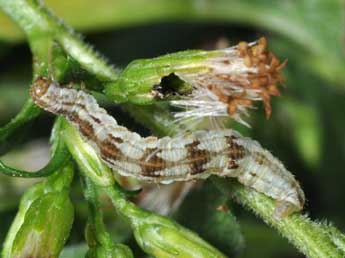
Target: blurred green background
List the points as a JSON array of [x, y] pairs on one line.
[[306, 130]]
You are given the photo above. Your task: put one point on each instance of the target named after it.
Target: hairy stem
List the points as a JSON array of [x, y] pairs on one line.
[[97, 237], [309, 237]]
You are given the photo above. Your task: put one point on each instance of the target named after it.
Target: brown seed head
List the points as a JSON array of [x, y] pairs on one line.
[[236, 77], [268, 74]]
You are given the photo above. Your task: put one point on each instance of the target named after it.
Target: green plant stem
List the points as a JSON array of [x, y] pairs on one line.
[[95, 213], [58, 160], [309, 237], [28, 112], [96, 216], [39, 31], [60, 155]]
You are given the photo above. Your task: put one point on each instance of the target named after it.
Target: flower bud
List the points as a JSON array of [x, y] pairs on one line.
[[218, 83], [161, 237], [45, 227], [44, 219]]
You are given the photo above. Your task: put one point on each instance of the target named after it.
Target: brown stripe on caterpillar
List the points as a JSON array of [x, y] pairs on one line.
[[115, 139], [236, 151], [98, 121], [109, 151], [73, 117], [232, 164], [84, 126], [149, 167], [197, 158], [86, 129], [151, 163]]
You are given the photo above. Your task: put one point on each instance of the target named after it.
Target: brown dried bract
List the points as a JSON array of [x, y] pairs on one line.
[[263, 79], [267, 78]]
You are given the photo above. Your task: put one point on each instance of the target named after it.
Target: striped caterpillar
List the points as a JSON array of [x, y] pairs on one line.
[[190, 156]]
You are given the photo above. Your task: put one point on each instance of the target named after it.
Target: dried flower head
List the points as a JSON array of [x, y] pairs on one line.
[[235, 78]]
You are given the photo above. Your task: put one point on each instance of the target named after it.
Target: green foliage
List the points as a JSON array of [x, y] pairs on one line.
[[306, 130]]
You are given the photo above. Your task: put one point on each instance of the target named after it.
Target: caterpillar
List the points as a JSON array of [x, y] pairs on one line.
[[190, 156]]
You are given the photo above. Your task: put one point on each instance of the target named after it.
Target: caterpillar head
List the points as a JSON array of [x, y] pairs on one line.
[[39, 87]]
